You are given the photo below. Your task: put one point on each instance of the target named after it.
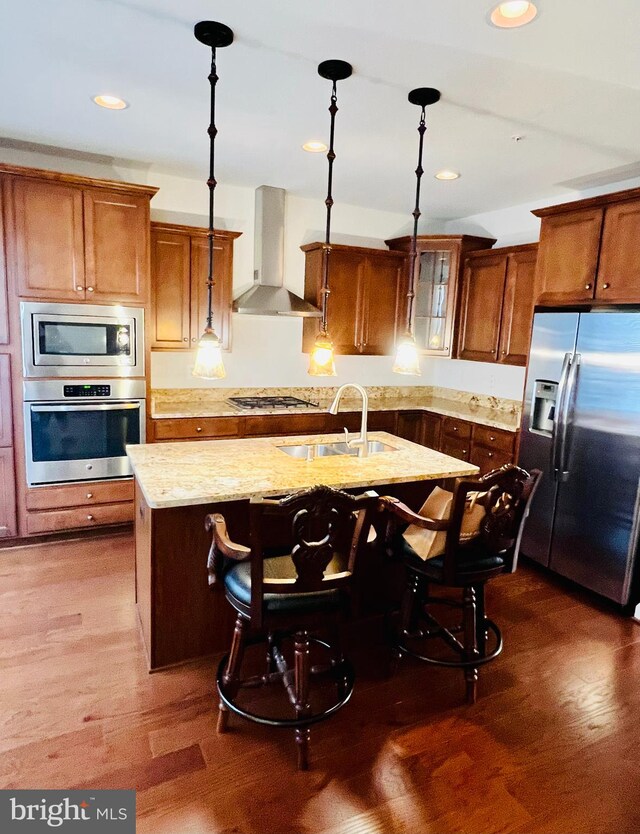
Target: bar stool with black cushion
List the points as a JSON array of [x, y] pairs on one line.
[[291, 599], [475, 538]]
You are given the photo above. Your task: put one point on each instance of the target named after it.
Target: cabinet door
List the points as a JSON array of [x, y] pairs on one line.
[[4, 309], [517, 308], [7, 495], [455, 447], [170, 290], [431, 428], [383, 287], [346, 301], [568, 256], [410, 426], [116, 246], [222, 288], [619, 269], [482, 292], [6, 434], [49, 245]]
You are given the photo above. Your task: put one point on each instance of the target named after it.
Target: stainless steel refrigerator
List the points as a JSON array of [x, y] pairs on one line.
[[581, 427]]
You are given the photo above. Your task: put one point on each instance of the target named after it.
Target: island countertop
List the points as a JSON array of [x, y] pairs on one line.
[[207, 471]]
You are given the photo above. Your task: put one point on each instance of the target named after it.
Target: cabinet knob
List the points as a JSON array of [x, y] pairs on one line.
[[588, 286], [504, 352], [185, 339], [606, 285], [89, 494], [491, 437], [490, 454], [89, 289], [89, 517], [80, 288], [455, 428], [194, 339], [199, 428]]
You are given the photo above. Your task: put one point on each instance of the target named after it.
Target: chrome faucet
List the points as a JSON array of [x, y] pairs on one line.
[[361, 442]]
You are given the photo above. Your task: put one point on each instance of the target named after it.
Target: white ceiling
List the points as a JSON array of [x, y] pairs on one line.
[[569, 83]]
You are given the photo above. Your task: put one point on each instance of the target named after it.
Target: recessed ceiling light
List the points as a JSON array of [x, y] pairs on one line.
[[314, 147], [447, 175], [110, 102], [513, 13]]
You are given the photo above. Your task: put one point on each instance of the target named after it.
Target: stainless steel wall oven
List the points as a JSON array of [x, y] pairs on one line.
[[78, 431]]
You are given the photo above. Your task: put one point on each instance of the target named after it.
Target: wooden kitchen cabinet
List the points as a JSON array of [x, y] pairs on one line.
[[4, 301], [8, 527], [179, 270], [6, 420], [72, 238], [438, 269], [368, 288], [498, 292], [588, 251], [116, 247]]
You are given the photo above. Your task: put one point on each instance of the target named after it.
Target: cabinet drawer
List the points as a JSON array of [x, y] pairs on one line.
[[455, 448], [79, 495], [456, 428], [193, 429], [266, 425], [488, 459], [493, 438], [56, 520]]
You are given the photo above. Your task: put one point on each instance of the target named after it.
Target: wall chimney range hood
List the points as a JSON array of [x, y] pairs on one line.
[[268, 296]]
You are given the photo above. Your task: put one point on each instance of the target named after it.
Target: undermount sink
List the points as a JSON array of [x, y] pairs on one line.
[[310, 451]]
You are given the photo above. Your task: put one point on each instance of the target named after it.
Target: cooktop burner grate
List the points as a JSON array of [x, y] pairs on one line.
[[250, 403]]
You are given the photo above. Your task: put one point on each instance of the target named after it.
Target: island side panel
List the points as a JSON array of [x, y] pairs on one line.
[[143, 576]]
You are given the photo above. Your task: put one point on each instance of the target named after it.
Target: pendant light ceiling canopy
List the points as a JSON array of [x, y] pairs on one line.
[[407, 359], [209, 364], [321, 361]]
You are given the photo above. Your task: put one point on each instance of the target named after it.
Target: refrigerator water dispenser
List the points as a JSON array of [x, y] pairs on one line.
[[544, 406]]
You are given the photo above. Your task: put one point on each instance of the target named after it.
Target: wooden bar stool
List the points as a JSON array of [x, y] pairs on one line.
[[456, 551], [291, 597]]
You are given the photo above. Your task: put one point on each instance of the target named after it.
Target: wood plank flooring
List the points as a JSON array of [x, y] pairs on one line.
[[551, 746]]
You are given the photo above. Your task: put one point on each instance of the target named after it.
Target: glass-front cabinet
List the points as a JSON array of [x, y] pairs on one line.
[[439, 265]]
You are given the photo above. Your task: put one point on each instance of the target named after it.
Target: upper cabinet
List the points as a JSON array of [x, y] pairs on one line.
[[438, 266], [589, 251], [368, 288], [179, 270], [74, 239], [497, 305], [4, 306]]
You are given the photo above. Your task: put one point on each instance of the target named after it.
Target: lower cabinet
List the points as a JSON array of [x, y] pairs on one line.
[[76, 506], [7, 495]]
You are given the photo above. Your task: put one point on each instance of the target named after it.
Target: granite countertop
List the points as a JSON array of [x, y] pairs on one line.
[[494, 417], [207, 471]]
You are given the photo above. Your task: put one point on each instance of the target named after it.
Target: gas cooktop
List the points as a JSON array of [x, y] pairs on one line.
[[253, 403]]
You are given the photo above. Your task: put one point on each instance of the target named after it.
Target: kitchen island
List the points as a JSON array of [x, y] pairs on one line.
[[179, 484]]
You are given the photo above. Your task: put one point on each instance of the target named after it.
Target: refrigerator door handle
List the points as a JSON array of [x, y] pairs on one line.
[[567, 410], [557, 422]]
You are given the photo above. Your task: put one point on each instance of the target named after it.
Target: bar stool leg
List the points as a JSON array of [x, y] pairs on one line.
[[231, 675], [470, 641], [481, 627], [302, 706]]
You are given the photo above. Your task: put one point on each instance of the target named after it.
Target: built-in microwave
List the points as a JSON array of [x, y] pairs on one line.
[[82, 340]]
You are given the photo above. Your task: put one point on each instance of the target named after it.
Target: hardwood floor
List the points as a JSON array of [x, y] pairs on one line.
[[551, 746]]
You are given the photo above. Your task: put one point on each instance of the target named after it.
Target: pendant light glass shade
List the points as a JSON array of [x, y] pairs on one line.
[[407, 359], [321, 361], [209, 364]]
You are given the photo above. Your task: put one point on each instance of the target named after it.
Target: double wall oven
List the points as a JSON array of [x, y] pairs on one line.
[[82, 402]]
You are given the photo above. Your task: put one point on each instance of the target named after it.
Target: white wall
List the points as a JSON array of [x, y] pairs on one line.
[[266, 351]]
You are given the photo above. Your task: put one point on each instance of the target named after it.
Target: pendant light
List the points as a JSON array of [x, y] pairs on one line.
[[209, 364], [321, 361], [407, 359]]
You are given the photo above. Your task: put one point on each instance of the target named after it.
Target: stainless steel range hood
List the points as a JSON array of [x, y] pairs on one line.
[[269, 296]]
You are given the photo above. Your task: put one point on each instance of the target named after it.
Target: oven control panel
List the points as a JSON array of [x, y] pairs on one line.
[[87, 390]]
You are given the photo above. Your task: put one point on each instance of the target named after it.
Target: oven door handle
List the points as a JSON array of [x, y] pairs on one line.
[[80, 406]]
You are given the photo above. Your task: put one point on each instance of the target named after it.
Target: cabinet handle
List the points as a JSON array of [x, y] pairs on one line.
[[79, 288], [199, 428], [89, 494], [89, 289], [588, 286], [89, 517], [606, 285]]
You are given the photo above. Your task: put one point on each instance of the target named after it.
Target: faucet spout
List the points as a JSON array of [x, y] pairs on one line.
[[361, 441]]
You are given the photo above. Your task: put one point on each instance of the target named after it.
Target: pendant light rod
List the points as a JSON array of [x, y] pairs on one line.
[[423, 97], [215, 35], [333, 70]]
